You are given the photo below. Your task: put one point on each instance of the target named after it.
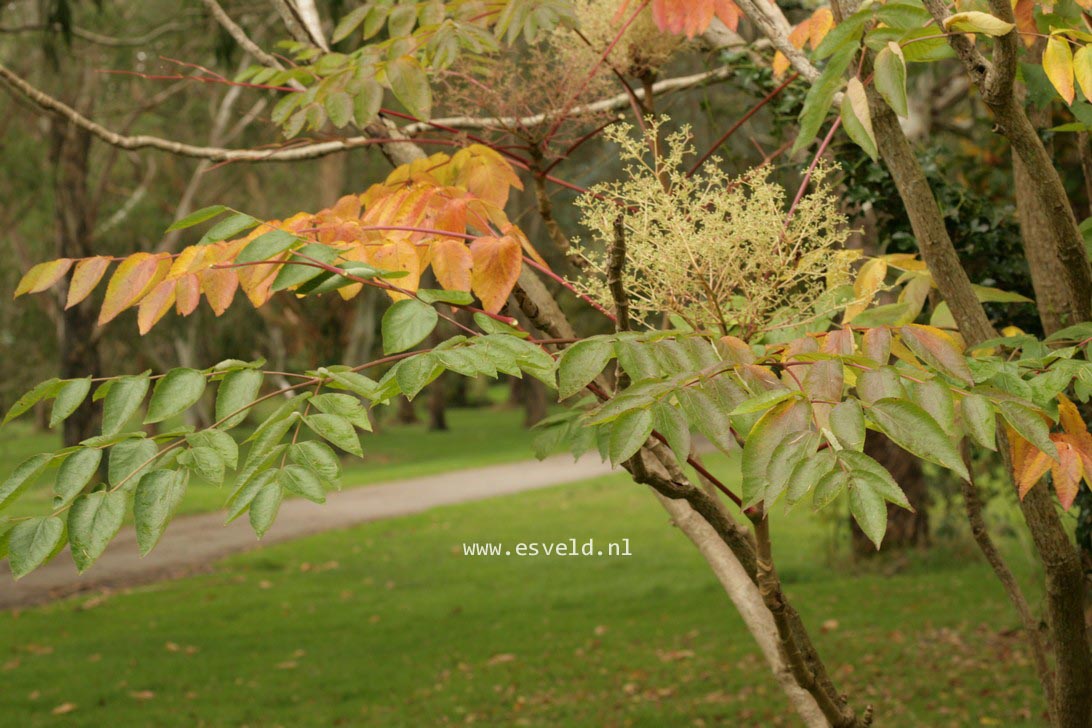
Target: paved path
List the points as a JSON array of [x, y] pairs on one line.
[[194, 542]]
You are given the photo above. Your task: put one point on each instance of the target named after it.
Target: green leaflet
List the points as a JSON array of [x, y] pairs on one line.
[[337, 430], [915, 431], [175, 393], [122, 402], [979, 420], [129, 459], [32, 542], [157, 497], [848, 425], [406, 324], [266, 504], [69, 398], [75, 473], [23, 477], [581, 363], [93, 521], [628, 433], [318, 458], [821, 94], [236, 393]]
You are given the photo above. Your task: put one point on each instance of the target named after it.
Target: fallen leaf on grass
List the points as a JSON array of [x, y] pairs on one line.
[[501, 658], [64, 708]]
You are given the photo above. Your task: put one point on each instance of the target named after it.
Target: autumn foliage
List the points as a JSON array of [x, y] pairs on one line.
[[445, 212]]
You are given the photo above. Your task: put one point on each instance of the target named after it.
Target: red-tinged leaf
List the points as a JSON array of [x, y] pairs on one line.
[[1066, 474], [86, 276], [187, 294], [129, 282], [876, 344], [451, 262], [42, 276], [497, 263], [1029, 463], [155, 305], [219, 286], [938, 349], [1069, 417], [839, 341]]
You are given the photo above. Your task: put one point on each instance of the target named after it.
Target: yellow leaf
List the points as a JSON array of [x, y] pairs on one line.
[[1082, 69], [42, 276], [977, 22], [868, 282], [497, 263], [1069, 417], [1058, 65], [401, 256], [87, 275]]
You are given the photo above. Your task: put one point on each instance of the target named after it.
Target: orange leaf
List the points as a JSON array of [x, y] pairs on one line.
[[1082, 445], [822, 20], [451, 262], [497, 263], [87, 275], [129, 282], [1058, 65], [1066, 474], [1029, 463], [688, 17], [219, 286], [42, 276], [1024, 10], [729, 13], [188, 294], [399, 255], [155, 305]]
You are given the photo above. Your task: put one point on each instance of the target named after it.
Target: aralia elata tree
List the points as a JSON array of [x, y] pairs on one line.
[[736, 311]]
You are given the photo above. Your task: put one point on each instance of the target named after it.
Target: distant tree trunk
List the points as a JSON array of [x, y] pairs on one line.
[[905, 529], [534, 402], [74, 222], [437, 406], [407, 413]]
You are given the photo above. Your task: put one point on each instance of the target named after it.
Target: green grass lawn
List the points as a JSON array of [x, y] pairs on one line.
[[388, 624], [477, 436]]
